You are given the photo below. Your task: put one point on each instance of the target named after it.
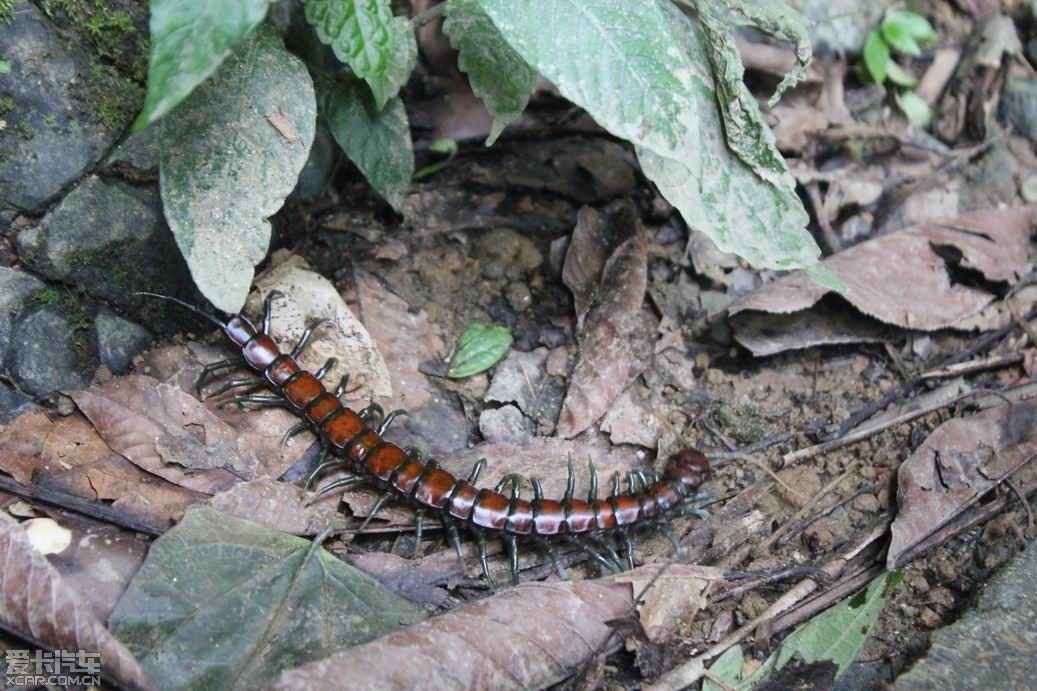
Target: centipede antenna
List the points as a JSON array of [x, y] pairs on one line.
[[389, 420], [378, 506], [513, 555], [186, 305], [538, 490], [455, 540], [570, 482], [615, 484], [592, 493], [628, 551], [328, 364], [268, 308], [419, 523], [473, 476], [337, 484]]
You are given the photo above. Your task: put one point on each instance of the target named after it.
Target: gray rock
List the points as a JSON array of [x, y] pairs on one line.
[[52, 347], [13, 404], [108, 238], [990, 181], [50, 139], [994, 645], [118, 340], [139, 151], [1019, 107], [506, 423], [16, 290]]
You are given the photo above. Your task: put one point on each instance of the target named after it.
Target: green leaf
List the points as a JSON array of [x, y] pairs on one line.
[[837, 635], [478, 349], [498, 75], [914, 25], [442, 145], [224, 603], [404, 58], [364, 35], [5, 67], [876, 57], [899, 76], [727, 668], [650, 82], [377, 142], [229, 155], [898, 37], [915, 108], [189, 42]]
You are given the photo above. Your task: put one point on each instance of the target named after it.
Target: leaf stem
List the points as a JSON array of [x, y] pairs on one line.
[[429, 15]]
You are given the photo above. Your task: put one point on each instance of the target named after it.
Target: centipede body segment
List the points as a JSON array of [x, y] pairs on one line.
[[354, 440]]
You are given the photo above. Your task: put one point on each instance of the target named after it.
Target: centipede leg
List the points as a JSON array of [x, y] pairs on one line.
[[389, 420], [342, 384], [305, 338], [372, 415], [480, 540], [413, 452], [512, 543], [604, 546], [292, 431], [212, 367], [378, 506], [455, 540], [348, 481], [473, 476], [270, 401], [419, 522], [268, 308], [597, 556], [592, 493], [553, 556], [570, 482], [692, 512], [235, 383], [323, 371], [628, 552], [665, 532]]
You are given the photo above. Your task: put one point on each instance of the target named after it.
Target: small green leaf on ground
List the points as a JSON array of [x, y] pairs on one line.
[[364, 35], [189, 42], [447, 147], [898, 36], [224, 603], [899, 76], [914, 25], [5, 67], [876, 57], [377, 142], [478, 349], [915, 108], [498, 75], [727, 668], [229, 156], [837, 635]]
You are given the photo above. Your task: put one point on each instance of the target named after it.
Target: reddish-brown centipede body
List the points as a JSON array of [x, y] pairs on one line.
[[355, 440]]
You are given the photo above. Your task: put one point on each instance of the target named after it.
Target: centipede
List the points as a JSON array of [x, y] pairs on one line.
[[354, 441]]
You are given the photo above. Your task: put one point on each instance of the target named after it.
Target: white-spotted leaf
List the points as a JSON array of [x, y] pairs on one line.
[[230, 155]]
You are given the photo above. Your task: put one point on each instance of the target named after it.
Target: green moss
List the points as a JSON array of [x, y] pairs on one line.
[[46, 296], [24, 131], [6, 11], [7, 104], [119, 274], [113, 99]]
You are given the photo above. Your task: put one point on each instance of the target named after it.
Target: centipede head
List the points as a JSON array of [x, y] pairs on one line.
[[690, 467]]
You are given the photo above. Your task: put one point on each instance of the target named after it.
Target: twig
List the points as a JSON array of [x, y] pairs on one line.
[[970, 366], [70, 502], [720, 458], [429, 15], [810, 520], [824, 600], [695, 668]]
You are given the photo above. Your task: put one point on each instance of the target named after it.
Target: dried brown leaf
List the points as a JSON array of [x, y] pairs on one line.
[[909, 278], [959, 462], [668, 595], [551, 630], [37, 603], [585, 258], [278, 506]]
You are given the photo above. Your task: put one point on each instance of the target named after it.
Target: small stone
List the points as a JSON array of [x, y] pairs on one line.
[[503, 252], [118, 340], [558, 362], [17, 289], [506, 424], [1028, 189], [103, 375], [929, 619], [866, 503], [518, 296], [917, 583], [49, 351], [753, 605], [65, 405], [1018, 107]]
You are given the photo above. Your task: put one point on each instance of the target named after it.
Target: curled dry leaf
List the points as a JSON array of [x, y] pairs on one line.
[[68, 453], [611, 340], [920, 290], [669, 594], [36, 603], [585, 258], [308, 296], [552, 629], [955, 466]]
